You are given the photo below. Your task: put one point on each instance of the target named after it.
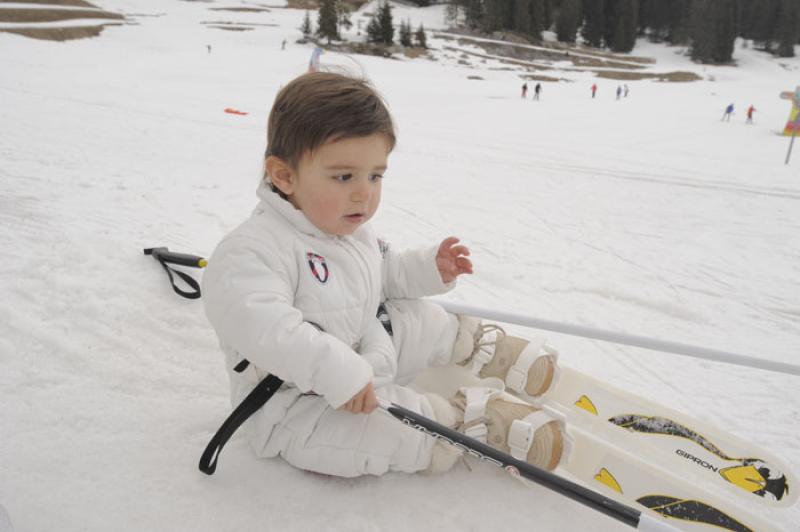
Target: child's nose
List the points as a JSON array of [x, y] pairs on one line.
[[361, 191]]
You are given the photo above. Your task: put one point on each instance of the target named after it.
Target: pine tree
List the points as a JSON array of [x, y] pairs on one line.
[[654, 17], [645, 16], [474, 15], [701, 39], [713, 30], [609, 21], [451, 13], [568, 20], [679, 21], [743, 16], [522, 16], [624, 36], [405, 33], [374, 30], [385, 22], [549, 15], [306, 27], [328, 21], [788, 28], [764, 21], [593, 22], [497, 15], [422, 42], [537, 19], [343, 15], [725, 22]]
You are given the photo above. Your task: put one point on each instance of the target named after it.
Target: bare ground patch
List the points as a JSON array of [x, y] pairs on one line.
[[354, 5], [242, 9], [60, 34], [228, 23], [414, 52], [232, 28], [302, 4], [22, 15], [53, 15], [75, 3], [540, 77], [677, 76]]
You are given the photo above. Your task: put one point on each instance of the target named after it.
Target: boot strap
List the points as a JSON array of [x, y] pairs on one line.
[[484, 354], [475, 410], [517, 376], [522, 432]]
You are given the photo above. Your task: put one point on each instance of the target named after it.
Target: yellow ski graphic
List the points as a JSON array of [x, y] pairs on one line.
[[587, 404], [608, 479], [746, 477]]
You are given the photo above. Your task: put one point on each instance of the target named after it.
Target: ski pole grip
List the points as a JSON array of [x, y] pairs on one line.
[[184, 259]]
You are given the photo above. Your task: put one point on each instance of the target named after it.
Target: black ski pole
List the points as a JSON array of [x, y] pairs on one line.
[[621, 512]]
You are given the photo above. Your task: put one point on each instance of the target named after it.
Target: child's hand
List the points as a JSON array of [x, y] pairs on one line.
[[363, 402], [452, 260]]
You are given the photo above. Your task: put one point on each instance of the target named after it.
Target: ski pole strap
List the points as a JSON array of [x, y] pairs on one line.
[[254, 400], [164, 256]]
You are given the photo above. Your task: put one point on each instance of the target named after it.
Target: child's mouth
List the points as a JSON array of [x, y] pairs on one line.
[[354, 217]]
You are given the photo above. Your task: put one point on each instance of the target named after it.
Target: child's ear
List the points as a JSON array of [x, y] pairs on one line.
[[280, 174]]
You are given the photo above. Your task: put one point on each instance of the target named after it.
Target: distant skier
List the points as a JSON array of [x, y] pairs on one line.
[[619, 92], [209, 48], [287, 290], [283, 45], [728, 112], [626, 90], [525, 89], [537, 90], [594, 89], [750, 111]]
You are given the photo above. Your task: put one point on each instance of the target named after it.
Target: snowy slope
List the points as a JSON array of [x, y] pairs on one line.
[[646, 215]]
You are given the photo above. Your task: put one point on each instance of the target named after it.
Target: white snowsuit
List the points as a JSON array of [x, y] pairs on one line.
[[275, 275]]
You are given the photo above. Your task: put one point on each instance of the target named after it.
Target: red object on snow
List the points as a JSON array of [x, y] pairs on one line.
[[234, 111]]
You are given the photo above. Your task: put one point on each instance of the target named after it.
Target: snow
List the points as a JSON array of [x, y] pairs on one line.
[[646, 215]]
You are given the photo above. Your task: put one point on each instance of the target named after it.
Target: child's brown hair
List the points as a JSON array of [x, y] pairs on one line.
[[319, 107]]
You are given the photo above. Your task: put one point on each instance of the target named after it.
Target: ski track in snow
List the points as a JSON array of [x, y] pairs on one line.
[[647, 216]]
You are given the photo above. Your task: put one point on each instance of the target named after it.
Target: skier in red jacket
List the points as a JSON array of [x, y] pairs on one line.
[[750, 111]]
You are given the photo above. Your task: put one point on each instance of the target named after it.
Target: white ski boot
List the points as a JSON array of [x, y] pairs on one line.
[[535, 435], [500, 420], [527, 368]]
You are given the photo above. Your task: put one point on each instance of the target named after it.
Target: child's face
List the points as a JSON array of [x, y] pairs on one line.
[[338, 186]]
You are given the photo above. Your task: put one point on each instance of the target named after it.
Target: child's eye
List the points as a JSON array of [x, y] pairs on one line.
[[375, 177], [343, 177]]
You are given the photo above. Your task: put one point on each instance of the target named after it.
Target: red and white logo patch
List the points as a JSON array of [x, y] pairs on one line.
[[319, 268]]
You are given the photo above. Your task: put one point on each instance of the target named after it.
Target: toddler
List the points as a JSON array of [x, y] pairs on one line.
[[304, 290]]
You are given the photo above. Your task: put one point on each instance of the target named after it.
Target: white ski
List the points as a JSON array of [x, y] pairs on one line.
[[621, 475], [642, 453], [705, 455]]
